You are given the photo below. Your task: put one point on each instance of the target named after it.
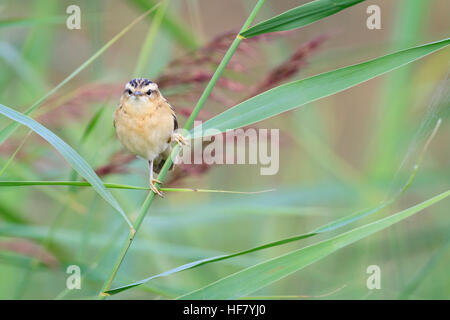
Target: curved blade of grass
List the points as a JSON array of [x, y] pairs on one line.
[[9, 129], [297, 93], [118, 186], [326, 228], [71, 156], [300, 16], [249, 280], [201, 262]]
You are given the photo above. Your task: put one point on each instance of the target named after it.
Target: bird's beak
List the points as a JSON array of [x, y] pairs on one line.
[[138, 93]]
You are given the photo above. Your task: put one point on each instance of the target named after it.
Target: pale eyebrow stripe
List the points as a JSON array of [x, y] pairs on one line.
[[153, 86]]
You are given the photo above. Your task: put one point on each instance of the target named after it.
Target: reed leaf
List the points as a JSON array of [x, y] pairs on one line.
[[249, 280], [297, 93], [300, 16]]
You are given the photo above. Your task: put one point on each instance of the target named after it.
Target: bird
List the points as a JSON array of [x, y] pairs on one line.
[[146, 125]]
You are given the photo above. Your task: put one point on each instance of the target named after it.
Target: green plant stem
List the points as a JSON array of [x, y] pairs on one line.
[[201, 102], [10, 183], [149, 41]]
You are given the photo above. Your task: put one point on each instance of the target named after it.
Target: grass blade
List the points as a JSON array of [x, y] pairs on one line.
[[297, 93], [191, 265], [300, 16], [201, 262], [71, 156], [118, 186], [249, 280]]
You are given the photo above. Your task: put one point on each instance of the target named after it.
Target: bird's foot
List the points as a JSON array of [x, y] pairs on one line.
[[154, 188], [182, 141]]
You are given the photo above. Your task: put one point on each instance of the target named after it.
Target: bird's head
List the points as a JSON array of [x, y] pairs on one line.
[[140, 90]]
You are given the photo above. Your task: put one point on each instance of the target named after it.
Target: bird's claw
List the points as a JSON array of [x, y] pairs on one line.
[[182, 141], [155, 189], [156, 181]]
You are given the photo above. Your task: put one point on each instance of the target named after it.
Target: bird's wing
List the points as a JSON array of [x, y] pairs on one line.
[[175, 121]]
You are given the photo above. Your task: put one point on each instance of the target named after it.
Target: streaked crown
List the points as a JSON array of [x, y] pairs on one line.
[[141, 86]]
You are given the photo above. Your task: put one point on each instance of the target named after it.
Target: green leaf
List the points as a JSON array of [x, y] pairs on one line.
[[300, 16], [249, 280], [71, 156], [191, 265], [297, 93]]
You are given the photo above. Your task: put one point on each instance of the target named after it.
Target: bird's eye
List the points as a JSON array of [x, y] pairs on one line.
[[129, 91], [149, 92]]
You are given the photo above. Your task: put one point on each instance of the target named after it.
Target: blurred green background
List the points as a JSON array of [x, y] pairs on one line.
[[338, 155]]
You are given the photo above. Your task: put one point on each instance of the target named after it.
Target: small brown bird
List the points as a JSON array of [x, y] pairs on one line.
[[145, 124]]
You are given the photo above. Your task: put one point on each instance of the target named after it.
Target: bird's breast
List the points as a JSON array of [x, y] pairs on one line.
[[145, 131]]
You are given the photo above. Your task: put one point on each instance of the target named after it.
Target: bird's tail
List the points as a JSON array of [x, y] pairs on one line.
[[158, 163]]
